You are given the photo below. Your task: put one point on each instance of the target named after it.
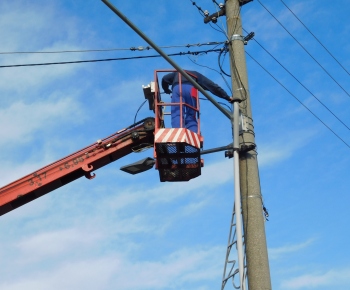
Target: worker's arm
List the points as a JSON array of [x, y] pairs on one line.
[[212, 87], [167, 80]]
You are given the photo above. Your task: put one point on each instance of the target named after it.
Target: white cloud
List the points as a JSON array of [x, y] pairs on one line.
[[196, 206], [17, 33], [275, 253], [187, 265], [34, 27], [22, 122], [212, 175], [24, 119], [335, 279], [269, 156], [85, 274], [286, 146], [23, 80], [47, 245]]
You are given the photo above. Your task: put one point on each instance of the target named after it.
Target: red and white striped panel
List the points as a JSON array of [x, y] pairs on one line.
[[177, 135]]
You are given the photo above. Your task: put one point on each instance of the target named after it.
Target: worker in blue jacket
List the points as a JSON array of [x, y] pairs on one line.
[[188, 97]]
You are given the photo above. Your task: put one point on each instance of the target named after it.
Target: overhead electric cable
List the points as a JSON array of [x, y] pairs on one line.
[[235, 70], [139, 110], [301, 83], [316, 38], [217, 4], [220, 63], [201, 12], [304, 48], [298, 100], [219, 30], [108, 59], [222, 29], [138, 48]]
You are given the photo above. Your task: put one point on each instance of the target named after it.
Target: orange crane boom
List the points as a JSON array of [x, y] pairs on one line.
[[176, 153], [76, 165]]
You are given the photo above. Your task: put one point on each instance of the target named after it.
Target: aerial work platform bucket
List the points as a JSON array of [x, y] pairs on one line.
[[178, 154], [176, 150]]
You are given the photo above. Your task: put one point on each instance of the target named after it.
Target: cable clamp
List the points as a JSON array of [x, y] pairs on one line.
[[237, 37], [252, 196]]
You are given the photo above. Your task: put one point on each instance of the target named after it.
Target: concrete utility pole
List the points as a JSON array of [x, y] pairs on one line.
[[258, 271]]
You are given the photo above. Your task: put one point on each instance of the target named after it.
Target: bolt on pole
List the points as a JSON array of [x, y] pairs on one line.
[[258, 271]]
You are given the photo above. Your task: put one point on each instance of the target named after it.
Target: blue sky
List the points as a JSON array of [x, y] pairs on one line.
[[119, 231]]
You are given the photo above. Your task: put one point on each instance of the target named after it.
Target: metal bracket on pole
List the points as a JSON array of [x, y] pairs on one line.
[[213, 150], [214, 17]]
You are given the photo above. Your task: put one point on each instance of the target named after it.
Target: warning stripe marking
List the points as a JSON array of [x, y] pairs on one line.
[[168, 135], [176, 135]]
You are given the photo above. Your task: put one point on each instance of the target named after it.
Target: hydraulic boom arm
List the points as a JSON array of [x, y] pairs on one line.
[[76, 165]]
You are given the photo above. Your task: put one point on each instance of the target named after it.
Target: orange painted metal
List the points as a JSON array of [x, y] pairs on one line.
[[76, 165]]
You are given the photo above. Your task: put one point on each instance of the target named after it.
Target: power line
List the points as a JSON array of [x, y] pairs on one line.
[[228, 86], [228, 41], [217, 4], [316, 38], [203, 14], [298, 100], [110, 59], [301, 84], [133, 48], [222, 29], [304, 48], [200, 10]]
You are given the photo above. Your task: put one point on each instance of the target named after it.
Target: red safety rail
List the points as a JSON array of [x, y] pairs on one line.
[[177, 150], [76, 165]]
